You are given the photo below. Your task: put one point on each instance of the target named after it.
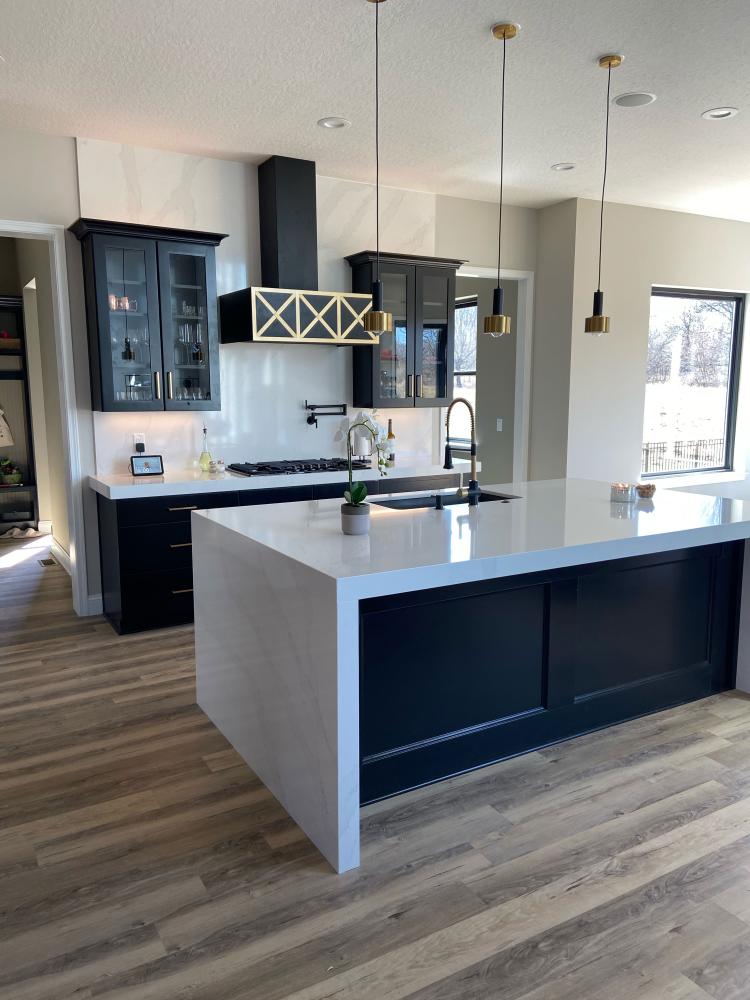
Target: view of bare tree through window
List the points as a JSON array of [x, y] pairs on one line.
[[689, 376], [465, 367]]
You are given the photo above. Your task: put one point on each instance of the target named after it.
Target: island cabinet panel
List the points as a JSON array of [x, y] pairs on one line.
[[455, 678]]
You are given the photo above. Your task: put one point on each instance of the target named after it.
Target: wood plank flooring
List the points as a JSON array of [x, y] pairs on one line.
[[140, 859]]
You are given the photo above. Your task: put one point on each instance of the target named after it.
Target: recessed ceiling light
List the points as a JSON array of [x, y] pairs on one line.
[[333, 121], [719, 114], [563, 166], [635, 100]]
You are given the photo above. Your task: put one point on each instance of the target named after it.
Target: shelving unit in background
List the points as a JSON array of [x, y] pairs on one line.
[[15, 402]]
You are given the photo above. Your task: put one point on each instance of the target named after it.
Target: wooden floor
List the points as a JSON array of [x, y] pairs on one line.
[[140, 859]]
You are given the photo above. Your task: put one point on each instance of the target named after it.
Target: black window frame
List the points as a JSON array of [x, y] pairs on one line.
[[465, 302], [733, 382]]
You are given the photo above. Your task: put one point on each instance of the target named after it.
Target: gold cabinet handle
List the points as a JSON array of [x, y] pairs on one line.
[[419, 385], [157, 385], [184, 590], [408, 385], [191, 506], [181, 545], [169, 385]]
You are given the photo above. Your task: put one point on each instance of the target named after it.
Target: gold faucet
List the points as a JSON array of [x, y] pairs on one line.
[[448, 464]]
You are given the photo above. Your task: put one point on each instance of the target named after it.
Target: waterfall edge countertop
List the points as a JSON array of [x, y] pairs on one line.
[[115, 486], [551, 524], [345, 669]]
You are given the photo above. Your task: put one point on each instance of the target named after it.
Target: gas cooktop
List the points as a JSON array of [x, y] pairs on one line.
[[294, 466]]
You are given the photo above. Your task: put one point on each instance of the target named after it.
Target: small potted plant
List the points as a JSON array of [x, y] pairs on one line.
[[10, 474], [355, 513]]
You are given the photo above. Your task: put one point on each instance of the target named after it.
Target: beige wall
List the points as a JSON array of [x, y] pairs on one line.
[[38, 178], [34, 262], [550, 365], [642, 247], [468, 230]]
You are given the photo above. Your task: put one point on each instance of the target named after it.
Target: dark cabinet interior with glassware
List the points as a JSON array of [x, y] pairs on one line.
[[412, 365], [152, 316]]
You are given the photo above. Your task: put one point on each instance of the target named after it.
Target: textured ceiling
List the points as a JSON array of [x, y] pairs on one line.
[[246, 78]]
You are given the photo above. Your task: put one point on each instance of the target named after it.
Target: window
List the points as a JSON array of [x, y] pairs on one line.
[[691, 381], [464, 369]]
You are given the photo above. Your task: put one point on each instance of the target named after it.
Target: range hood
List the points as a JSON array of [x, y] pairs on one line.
[[288, 308]]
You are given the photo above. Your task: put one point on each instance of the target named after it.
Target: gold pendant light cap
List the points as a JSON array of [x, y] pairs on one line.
[[597, 325], [497, 325], [378, 322], [611, 61], [505, 30]]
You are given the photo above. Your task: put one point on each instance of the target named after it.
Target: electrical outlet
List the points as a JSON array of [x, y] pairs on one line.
[[139, 439], [499, 423]]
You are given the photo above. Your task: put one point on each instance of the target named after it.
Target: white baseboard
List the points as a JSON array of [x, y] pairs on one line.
[[94, 605], [61, 556]]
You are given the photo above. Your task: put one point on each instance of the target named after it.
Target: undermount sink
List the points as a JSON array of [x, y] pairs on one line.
[[427, 500]]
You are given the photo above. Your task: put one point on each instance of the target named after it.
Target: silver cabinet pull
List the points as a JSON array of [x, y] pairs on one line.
[[181, 545], [184, 590], [408, 385], [169, 385], [191, 506], [157, 385], [419, 385]]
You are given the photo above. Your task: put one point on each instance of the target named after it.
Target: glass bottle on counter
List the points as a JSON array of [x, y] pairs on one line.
[[205, 457], [390, 448]]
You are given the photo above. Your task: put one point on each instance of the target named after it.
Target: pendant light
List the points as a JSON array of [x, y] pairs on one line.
[[599, 323], [498, 324], [377, 321]]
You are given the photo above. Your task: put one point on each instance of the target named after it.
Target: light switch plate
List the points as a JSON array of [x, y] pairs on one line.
[[499, 423]]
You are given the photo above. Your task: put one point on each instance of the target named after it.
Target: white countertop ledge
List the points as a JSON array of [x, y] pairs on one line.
[[185, 481], [554, 523]]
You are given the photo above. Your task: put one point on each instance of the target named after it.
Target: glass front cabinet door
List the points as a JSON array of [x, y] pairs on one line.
[[152, 317], [433, 340], [127, 309], [190, 336], [413, 365]]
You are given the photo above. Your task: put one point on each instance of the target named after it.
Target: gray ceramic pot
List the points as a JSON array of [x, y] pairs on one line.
[[355, 518]]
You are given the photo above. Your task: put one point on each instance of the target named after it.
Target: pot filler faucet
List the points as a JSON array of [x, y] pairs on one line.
[[474, 489]]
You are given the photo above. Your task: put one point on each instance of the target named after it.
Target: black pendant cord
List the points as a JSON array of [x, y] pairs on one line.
[[604, 179], [377, 142], [502, 160]]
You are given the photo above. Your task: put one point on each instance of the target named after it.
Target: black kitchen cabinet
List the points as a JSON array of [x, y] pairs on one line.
[[146, 548], [534, 659], [413, 365], [152, 316]]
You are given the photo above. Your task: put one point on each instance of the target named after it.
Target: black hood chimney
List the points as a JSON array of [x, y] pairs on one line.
[[288, 223]]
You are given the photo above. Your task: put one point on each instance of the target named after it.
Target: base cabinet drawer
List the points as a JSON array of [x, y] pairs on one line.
[[156, 600], [170, 510], [156, 548]]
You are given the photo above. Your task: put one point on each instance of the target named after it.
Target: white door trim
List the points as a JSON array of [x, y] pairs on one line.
[[55, 236], [524, 335]]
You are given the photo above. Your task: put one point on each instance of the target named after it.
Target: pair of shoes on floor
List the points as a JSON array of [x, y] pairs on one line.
[[21, 533]]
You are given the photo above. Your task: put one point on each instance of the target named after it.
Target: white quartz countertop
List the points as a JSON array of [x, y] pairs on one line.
[[184, 481], [554, 523]]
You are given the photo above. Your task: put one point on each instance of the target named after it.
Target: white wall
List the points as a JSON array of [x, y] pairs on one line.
[[642, 247]]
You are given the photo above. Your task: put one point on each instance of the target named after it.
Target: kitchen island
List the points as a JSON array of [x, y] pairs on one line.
[[345, 669]]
